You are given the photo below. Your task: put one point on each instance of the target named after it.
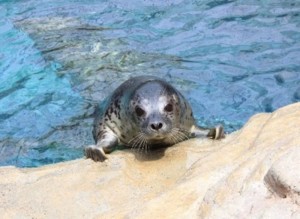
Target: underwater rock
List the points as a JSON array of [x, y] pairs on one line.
[[240, 176], [297, 94]]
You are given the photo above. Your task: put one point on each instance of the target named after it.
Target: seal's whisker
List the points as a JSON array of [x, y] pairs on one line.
[[141, 146], [178, 135], [182, 136], [184, 131], [140, 142], [136, 140], [133, 141], [186, 135], [175, 135], [146, 147], [172, 136]]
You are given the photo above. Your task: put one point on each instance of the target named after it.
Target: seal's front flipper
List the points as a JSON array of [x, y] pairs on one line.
[[104, 145], [216, 133], [95, 153], [213, 133]]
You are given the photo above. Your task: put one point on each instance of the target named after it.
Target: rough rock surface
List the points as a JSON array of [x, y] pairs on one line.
[[253, 173]]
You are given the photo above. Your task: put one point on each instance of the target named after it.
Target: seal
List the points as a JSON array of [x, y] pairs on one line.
[[144, 112]]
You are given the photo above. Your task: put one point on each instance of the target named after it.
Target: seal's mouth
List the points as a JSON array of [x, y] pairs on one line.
[[157, 137]]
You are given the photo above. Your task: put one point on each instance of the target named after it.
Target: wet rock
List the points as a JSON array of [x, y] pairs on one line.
[[247, 174]]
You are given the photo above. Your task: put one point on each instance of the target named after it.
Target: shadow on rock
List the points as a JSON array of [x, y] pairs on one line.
[[149, 155]]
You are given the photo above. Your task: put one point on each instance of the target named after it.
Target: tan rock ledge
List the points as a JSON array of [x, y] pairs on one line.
[[253, 173]]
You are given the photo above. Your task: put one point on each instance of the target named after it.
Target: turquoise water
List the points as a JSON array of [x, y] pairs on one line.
[[58, 59]]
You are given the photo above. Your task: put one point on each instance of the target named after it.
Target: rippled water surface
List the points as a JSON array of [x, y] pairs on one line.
[[58, 59]]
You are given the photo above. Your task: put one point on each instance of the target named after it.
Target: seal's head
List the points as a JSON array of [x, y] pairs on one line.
[[155, 108]]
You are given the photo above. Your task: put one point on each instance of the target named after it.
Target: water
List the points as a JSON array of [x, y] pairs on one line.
[[58, 59]]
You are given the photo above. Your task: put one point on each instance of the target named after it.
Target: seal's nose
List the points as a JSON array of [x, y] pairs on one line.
[[156, 126]]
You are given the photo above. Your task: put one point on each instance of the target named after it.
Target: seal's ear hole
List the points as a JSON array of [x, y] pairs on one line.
[[139, 111], [168, 107]]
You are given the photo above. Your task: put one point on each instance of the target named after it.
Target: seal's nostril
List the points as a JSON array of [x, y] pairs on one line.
[[156, 126]]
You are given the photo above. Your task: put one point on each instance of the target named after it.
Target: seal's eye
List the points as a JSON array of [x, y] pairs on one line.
[[168, 107], [139, 111]]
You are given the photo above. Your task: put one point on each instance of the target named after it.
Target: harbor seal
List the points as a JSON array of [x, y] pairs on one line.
[[143, 113]]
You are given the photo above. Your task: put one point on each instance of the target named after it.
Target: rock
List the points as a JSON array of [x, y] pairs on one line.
[[284, 182], [252, 173]]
